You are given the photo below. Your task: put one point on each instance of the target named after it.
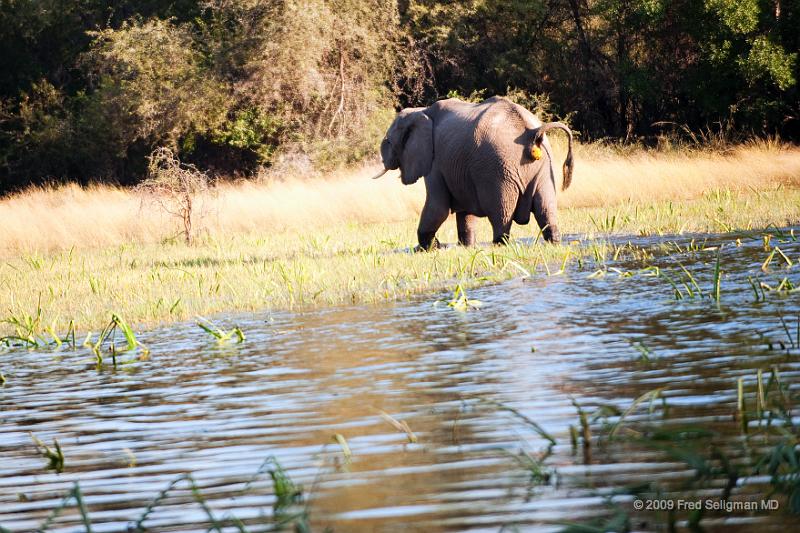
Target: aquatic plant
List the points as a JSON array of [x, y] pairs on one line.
[[644, 352], [714, 467], [289, 509], [460, 301], [399, 425], [768, 260], [534, 465], [162, 495], [716, 291], [54, 455], [539, 430], [218, 333], [585, 434], [339, 439], [73, 494], [109, 334], [31, 332], [782, 464]]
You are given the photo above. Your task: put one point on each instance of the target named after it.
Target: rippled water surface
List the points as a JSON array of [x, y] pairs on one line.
[[535, 346]]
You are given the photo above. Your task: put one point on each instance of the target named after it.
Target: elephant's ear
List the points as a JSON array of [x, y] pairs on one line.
[[416, 158]]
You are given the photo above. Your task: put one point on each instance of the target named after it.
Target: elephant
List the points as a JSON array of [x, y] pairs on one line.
[[478, 160]]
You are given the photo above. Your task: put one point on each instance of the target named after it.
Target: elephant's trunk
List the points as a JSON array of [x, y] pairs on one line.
[[384, 171], [569, 163]]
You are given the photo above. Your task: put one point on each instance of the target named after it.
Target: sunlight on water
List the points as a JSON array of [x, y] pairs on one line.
[[537, 348]]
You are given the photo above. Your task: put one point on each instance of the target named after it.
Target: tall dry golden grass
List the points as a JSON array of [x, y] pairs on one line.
[[47, 219], [607, 179]]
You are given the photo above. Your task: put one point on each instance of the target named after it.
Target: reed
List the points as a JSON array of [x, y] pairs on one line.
[[399, 425], [47, 296], [54, 455], [218, 333], [342, 442], [460, 301], [289, 511]]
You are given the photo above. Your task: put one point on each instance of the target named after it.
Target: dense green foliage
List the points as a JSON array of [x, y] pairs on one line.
[[89, 88], [621, 66]]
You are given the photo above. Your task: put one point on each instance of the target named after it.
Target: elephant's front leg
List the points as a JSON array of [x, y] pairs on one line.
[[434, 213], [501, 230], [432, 217], [466, 224]]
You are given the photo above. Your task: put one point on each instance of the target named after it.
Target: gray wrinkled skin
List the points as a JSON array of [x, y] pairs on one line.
[[476, 160]]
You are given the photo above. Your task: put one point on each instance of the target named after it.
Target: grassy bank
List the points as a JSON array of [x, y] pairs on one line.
[[42, 220], [81, 254]]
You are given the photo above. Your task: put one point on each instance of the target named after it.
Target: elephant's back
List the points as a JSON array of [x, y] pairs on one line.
[[480, 147], [501, 118], [504, 133], [502, 160]]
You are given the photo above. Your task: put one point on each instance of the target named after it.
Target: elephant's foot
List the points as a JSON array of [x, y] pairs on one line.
[[501, 230], [551, 234], [427, 242], [432, 246], [466, 240], [502, 239]]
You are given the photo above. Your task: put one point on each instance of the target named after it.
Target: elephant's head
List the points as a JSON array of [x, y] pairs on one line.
[[409, 145]]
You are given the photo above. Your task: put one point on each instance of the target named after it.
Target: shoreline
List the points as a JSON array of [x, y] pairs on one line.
[[348, 263]]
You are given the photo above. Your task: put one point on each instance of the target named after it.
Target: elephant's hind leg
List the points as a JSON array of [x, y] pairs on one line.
[[499, 203], [544, 210], [502, 216], [466, 228]]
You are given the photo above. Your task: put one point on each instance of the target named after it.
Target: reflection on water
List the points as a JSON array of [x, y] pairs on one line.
[[536, 346]]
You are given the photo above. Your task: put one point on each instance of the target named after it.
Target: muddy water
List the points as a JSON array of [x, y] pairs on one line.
[[537, 345]]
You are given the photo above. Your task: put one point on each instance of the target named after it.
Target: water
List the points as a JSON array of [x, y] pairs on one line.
[[218, 411]]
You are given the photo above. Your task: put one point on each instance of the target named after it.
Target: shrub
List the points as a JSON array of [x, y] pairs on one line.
[[152, 84], [177, 188]]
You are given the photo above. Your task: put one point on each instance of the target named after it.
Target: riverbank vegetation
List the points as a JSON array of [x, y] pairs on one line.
[[75, 256], [52, 219], [250, 128], [90, 88]]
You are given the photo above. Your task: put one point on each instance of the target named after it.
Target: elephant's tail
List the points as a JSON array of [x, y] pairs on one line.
[[569, 163]]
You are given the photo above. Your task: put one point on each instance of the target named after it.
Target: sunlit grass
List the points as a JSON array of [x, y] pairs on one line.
[[154, 283], [607, 179], [349, 262]]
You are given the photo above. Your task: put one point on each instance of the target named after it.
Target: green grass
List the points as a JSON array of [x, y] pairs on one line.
[[759, 458], [54, 456], [289, 512], [767, 447], [51, 295]]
